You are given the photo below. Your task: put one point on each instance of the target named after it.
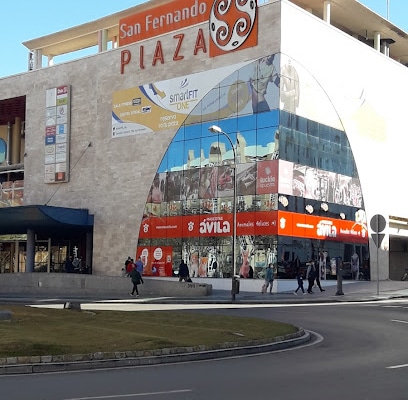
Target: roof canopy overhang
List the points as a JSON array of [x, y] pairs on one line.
[[43, 219], [351, 16]]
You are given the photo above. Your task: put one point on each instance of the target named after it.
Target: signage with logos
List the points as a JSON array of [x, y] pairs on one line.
[[57, 134], [231, 26]]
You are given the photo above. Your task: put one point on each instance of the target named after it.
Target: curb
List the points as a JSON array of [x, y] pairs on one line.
[[30, 365]]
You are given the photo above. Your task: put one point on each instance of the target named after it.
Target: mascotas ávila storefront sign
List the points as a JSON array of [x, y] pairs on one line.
[[250, 223], [232, 25]]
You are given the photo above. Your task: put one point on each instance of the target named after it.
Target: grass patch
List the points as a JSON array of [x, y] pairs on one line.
[[41, 331]]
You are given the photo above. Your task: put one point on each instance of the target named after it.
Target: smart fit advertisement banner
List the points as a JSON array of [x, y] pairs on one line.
[[159, 106], [232, 24]]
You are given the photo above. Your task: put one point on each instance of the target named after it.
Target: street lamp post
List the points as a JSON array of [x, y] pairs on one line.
[[235, 288]]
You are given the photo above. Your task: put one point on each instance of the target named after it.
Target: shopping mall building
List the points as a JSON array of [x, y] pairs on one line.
[[111, 155]]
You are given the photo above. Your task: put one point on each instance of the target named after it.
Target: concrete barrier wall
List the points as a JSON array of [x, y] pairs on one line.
[[77, 285], [253, 285]]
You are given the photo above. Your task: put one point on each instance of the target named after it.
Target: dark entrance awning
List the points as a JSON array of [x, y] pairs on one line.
[[43, 219]]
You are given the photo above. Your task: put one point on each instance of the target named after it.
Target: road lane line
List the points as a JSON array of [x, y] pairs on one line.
[[401, 322], [397, 366], [116, 396]]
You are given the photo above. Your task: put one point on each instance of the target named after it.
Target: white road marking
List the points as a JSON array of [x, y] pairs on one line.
[[141, 306], [397, 366], [118, 396], [401, 306], [397, 320]]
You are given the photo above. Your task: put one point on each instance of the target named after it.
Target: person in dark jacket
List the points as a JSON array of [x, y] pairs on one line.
[[317, 279], [310, 276], [136, 280], [184, 273], [299, 278]]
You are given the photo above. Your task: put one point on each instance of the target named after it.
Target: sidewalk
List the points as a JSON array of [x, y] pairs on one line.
[[352, 291]]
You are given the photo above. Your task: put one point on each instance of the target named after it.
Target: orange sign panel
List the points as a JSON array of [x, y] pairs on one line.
[[319, 227], [163, 19], [157, 260], [248, 223], [231, 26]]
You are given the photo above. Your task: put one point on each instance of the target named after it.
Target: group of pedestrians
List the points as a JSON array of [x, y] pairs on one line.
[[312, 276]]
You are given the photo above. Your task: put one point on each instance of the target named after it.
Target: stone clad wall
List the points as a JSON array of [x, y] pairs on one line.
[[112, 177], [65, 285]]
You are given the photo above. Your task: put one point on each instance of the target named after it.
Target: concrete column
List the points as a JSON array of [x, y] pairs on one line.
[[88, 253], [16, 141], [8, 148], [326, 10], [115, 42], [50, 60], [377, 41], [16, 251], [37, 64], [30, 60], [49, 256], [102, 40], [30, 253]]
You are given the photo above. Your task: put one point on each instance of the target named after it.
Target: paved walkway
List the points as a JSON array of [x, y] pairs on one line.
[[352, 291]]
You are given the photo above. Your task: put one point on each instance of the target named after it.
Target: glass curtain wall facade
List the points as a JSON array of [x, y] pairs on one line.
[[298, 192]]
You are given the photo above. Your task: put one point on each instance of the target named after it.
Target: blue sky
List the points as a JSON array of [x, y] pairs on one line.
[[24, 20]]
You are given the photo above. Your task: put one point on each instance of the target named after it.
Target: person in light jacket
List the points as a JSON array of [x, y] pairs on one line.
[[268, 279]]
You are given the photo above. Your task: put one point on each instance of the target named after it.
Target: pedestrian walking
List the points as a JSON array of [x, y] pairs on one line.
[[355, 266], [137, 279], [268, 280], [139, 265], [129, 266], [317, 279], [299, 278], [184, 273], [310, 276]]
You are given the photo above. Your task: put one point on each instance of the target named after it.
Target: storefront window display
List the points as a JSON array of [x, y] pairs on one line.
[[298, 192]]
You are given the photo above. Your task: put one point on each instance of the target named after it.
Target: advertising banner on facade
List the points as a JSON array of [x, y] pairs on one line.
[[57, 129], [157, 260]]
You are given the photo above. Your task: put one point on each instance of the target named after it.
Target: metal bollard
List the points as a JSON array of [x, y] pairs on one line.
[[235, 286], [339, 280]]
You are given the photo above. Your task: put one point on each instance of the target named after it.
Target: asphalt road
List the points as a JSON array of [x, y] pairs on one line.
[[359, 352]]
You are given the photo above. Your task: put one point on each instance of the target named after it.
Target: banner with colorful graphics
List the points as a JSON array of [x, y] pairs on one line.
[[57, 134], [157, 260], [159, 106], [317, 184]]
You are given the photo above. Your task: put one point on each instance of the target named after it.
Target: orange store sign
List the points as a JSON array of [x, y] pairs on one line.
[[248, 223], [163, 19], [317, 227], [231, 26], [254, 223]]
